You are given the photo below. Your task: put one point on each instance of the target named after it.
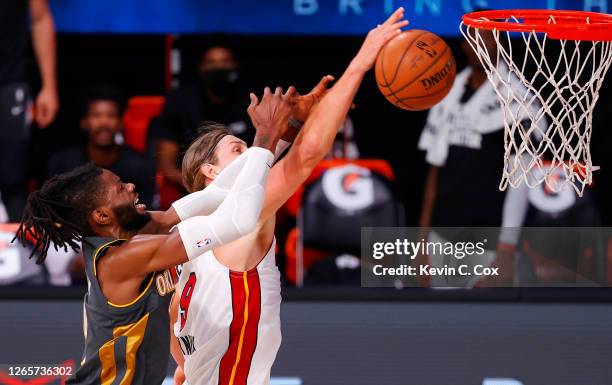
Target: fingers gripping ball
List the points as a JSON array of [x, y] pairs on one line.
[[415, 70]]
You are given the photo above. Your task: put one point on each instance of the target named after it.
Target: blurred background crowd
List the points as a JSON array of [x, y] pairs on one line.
[[132, 103]]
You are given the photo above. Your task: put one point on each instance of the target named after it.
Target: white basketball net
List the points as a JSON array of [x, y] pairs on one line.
[[547, 100]]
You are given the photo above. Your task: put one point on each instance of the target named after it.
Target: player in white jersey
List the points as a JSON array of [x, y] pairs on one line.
[[229, 329], [227, 307]]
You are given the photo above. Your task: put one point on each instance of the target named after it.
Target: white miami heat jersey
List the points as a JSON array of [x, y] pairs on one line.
[[228, 324]]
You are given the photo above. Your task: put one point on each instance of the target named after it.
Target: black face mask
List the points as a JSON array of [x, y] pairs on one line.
[[222, 83]]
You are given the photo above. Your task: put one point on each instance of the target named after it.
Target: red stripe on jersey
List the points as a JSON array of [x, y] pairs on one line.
[[174, 274], [236, 363], [185, 299]]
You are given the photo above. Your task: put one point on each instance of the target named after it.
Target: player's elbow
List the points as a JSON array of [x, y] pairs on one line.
[[245, 214], [248, 222], [251, 226], [311, 152]]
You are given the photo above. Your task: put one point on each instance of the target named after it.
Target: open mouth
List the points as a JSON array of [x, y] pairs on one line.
[[139, 205]]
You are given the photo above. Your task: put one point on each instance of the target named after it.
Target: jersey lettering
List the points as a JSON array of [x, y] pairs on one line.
[[187, 345], [164, 282]]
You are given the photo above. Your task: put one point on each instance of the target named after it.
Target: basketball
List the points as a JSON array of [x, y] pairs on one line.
[[415, 70]]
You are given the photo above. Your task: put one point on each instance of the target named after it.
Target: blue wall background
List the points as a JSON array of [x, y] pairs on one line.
[[315, 17]]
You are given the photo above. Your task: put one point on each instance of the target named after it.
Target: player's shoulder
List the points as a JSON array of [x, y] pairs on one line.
[[96, 251], [97, 244], [104, 247], [119, 255]]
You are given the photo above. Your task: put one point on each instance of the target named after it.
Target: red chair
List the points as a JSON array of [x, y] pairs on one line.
[[299, 256], [168, 192], [140, 110], [294, 271]]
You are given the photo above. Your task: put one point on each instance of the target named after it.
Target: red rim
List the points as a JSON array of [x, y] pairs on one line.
[[570, 25]]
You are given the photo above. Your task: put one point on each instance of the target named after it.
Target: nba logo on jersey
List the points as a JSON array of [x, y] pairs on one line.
[[203, 242]]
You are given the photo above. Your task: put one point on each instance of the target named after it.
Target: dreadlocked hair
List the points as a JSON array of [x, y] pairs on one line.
[[58, 212]]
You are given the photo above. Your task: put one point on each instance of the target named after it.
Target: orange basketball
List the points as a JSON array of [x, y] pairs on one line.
[[415, 70]]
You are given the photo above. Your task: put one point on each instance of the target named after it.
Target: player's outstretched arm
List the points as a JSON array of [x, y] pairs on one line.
[[235, 217], [206, 201], [203, 202], [316, 137]]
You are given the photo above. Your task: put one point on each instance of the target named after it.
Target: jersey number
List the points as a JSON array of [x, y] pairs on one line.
[[186, 298]]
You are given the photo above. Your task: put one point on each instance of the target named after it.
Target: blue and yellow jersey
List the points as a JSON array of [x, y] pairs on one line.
[[124, 343]]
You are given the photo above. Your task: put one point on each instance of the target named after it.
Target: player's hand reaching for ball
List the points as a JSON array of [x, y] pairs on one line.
[[377, 38], [303, 104], [270, 116]]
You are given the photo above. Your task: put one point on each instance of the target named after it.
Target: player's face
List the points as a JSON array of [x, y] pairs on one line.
[[122, 199], [228, 149], [102, 122]]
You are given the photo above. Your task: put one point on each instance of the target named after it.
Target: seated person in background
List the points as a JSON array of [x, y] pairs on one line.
[[101, 120], [213, 98], [464, 144]]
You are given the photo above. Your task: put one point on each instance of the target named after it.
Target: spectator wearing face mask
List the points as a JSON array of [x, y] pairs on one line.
[[213, 98]]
